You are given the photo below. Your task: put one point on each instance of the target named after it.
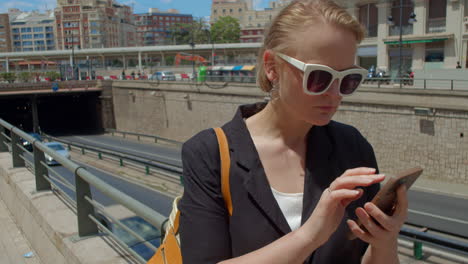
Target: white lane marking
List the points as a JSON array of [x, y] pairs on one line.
[[440, 217], [129, 149]]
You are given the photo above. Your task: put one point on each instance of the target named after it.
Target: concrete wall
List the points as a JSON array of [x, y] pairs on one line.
[[437, 141]]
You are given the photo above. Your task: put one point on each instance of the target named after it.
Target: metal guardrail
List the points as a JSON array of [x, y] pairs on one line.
[[425, 84], [88, 223], [138, 135], [172, 172]]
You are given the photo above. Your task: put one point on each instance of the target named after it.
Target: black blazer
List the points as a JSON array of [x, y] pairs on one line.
[[209, 235]]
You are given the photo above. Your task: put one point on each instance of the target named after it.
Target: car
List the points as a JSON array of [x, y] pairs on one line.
[[149, 233], [28, 145], [57, 147], [163, 76]]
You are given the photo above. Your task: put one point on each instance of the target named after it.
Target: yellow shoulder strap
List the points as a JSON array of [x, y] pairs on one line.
[[225, 167]]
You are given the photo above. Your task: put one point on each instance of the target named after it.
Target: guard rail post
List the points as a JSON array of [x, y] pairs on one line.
[[86, 227], [424, 84], [40, 170], [3, 139], [16, 150], [451, 85]]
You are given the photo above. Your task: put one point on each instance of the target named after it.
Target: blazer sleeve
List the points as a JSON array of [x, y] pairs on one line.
[[204, 219]]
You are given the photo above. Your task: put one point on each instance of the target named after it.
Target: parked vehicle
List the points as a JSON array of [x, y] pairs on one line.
[[163, 76], [28, 145], [57, 147]]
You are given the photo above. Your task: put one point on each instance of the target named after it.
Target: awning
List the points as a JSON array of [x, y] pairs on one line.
[[36, 63], [414, 41], [248, 68], [237, 68], [216, 68], [228, 68]]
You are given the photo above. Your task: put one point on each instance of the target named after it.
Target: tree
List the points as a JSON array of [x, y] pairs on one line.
[[226, 30], [181, 33]]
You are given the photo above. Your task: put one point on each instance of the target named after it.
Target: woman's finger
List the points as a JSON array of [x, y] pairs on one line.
[[342, 194], [358, 231], [356, 181], [359, 171], [380, 217], [371, 226]]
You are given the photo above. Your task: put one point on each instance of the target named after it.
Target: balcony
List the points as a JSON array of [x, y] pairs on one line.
[[465, 21], [371, 31], [436, 25]]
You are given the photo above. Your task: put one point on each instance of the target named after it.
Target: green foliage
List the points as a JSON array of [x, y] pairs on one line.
[[169, 60], [52, 75], [24, 76], [182, 33], [226, 30], [8, 76]]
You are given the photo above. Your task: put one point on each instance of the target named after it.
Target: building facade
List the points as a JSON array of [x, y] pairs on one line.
[[5, 33], [93, 24], [434, 34], [252, 22], [155, 27], [32, 31]]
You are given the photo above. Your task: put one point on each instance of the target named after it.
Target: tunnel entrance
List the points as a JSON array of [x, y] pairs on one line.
[[58, 114]]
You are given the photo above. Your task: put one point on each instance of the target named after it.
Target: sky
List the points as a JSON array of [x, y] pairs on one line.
[[197, 8]]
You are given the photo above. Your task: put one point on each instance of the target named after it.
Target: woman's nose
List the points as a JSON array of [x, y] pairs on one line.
[[334, 89]]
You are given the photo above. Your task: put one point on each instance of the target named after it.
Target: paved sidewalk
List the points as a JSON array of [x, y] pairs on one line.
[[13, 244], [450, 189]]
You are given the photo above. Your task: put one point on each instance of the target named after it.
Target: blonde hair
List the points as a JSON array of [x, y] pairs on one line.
[[300, 14]]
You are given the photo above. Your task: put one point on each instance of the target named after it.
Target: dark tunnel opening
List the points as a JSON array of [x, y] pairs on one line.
[[59, 114]]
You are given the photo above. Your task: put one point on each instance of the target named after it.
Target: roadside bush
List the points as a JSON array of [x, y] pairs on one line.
[[52, 75], [8, 76], [24, 76]]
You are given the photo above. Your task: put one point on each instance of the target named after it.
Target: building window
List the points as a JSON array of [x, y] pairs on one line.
[[224, 11], [15, 30], [38, 29], [23, 30], [436, 21], [38, 36], [26, 36], [368, 17], [408, 8], [435, 52], [240, 10]]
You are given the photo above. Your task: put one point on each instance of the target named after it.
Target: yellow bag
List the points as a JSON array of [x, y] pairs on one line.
[[169, 251]]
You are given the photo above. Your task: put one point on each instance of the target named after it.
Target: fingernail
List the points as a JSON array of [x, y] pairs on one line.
[[355, 192]]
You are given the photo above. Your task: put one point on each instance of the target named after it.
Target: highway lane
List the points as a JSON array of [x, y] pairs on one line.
[[168, 154], [435, 211]]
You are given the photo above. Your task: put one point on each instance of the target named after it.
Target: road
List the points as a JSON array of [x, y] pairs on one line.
[[435, 211]]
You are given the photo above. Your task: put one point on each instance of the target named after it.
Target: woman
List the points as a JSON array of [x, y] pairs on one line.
[[298, 180]]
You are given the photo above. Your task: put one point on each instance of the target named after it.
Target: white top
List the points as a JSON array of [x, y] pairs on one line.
[[291, 206]]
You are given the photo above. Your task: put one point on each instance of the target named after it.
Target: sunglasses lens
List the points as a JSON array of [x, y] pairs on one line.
[[350, 83], [318, 81]]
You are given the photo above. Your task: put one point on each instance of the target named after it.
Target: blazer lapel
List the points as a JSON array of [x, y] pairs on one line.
[[320, 168], [246, 158]]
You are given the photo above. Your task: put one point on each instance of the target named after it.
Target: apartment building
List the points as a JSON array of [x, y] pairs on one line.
[[252, 22], [32, 31], [93, 24], [5, 33], [155, 27], [434, 34]]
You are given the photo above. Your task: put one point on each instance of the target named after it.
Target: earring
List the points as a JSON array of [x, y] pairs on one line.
[[274, 89]]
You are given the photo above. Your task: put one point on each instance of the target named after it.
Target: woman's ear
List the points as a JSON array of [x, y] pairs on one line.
[[270, 65]]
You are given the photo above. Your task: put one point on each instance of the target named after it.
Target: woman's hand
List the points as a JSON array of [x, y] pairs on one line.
[[330, 209], [381, 236]]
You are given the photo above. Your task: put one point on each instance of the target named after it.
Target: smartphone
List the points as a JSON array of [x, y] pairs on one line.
[[385, 199]]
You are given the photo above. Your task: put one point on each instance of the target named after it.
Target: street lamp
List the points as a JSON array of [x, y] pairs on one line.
[[390, 21]]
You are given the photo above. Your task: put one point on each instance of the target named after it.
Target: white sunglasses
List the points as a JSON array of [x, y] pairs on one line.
[[318, 78]]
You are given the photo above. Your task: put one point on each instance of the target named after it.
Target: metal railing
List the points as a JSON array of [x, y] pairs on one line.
[[89, 223], [425, 84], [170, 172], [156, 139], [436, 25]]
